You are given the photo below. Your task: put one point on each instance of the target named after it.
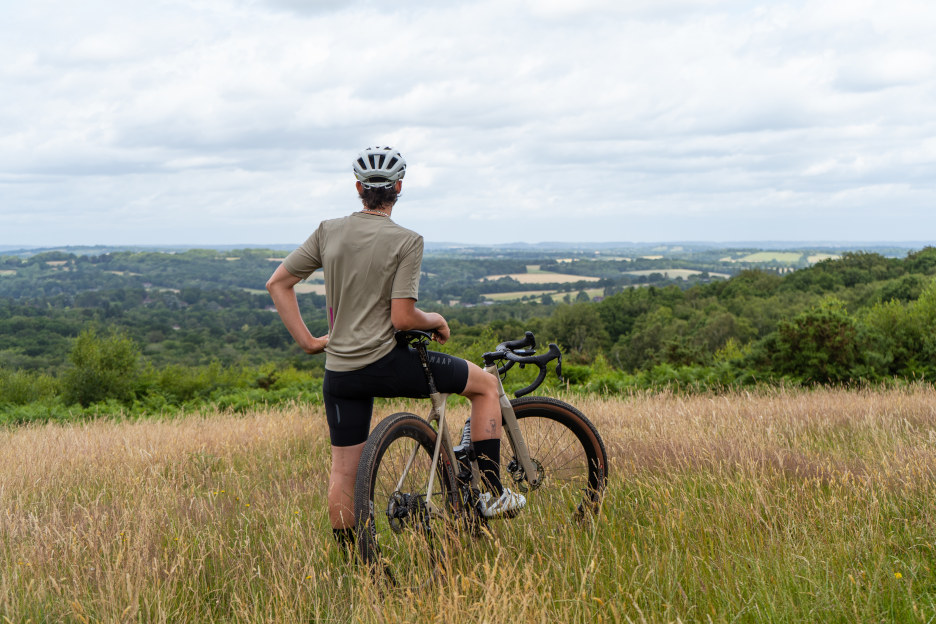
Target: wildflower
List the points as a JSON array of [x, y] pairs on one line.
[[898, 575]]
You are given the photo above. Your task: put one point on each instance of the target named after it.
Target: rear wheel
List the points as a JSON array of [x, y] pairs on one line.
[[569, 457], [396, 532]]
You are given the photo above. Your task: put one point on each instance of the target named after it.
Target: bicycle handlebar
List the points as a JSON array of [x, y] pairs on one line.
[[528, 340], [522, 352]]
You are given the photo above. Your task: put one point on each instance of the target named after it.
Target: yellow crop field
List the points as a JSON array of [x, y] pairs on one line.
[[674, 273], [306, 287], [769, 505], [543, 278], [301, 288], [520, 294], [786, 257], [813, 259], [7, 271]]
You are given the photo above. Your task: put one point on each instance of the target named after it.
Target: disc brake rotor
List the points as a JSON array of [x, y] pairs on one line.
[[519, 475]]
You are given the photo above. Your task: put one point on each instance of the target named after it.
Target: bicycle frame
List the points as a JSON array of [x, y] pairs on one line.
[[444, 444]]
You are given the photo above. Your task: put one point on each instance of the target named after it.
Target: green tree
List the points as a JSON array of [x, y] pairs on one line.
[[578, 328], [103, 367], [820, 345], [471, 296]]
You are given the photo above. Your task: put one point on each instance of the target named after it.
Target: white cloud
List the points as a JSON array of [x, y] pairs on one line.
[[227, 120]]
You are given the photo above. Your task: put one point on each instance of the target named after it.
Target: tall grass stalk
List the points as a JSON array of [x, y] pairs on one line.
[[777, 506]]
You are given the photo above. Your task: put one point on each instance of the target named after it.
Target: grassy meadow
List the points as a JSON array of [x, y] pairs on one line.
[[781, 506]]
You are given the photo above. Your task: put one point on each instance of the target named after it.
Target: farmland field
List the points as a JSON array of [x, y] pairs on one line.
[[783, 257], [543, 277], [674, 273], [758, 506], [302, 288], [310, 287], [813, 259], [520, 294]]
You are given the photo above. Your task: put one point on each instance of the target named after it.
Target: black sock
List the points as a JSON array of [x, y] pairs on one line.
[[344, 538], [488, 452]]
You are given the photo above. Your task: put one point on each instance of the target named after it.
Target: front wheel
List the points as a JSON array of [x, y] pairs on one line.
[[397, 531], [568, 454]]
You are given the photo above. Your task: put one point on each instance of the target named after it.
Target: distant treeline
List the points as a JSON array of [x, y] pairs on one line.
[[145, 332]]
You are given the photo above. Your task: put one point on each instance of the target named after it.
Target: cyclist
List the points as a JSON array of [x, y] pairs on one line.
[[372, 268]]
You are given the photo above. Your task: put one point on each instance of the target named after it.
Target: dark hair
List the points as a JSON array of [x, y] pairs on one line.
[[377, 198]]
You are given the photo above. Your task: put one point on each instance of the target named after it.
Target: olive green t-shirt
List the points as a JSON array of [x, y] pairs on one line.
[[368, 260]]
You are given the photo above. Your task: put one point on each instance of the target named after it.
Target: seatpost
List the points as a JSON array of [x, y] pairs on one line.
[[424, 359]]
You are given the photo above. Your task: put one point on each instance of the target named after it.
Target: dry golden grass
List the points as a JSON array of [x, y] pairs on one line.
[[776, 506]]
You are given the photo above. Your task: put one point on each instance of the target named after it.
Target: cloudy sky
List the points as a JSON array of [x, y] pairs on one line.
[[235, 121]]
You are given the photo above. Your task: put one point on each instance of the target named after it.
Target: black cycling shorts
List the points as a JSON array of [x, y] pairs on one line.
[[349, 395]]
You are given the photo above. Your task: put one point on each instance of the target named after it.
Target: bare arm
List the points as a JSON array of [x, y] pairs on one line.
[[405, 315], [281, 288]]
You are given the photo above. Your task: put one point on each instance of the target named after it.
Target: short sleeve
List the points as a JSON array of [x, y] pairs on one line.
[[307, 258], [406, 280]]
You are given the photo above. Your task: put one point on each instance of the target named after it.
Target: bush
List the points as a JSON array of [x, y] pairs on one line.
[[102, 368], [20, 387], [820, 345]]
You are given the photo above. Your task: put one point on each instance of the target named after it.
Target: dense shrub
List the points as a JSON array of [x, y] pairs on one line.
[[103, 367], [18, 387], [820, 345]]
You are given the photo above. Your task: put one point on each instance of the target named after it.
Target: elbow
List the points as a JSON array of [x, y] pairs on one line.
[[404, 315], [401, 324], [402, 321], [274, 284]]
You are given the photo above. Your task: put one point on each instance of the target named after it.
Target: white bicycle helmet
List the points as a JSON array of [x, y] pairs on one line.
[[379, 167]]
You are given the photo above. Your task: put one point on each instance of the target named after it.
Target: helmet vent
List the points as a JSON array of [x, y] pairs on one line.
[[379, 163]]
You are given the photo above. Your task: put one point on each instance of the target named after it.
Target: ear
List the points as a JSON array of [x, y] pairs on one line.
[[399, 185], [359, 187]]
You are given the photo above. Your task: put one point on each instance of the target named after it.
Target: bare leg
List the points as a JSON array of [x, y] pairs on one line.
[[341, 485], [481, 390]]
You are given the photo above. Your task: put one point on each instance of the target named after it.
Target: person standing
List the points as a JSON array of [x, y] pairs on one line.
[[372, 267]]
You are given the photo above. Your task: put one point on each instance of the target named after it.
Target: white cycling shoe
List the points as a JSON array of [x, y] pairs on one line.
[[508, 504]]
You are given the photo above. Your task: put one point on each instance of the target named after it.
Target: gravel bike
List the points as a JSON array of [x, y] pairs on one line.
[[414, 489]]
